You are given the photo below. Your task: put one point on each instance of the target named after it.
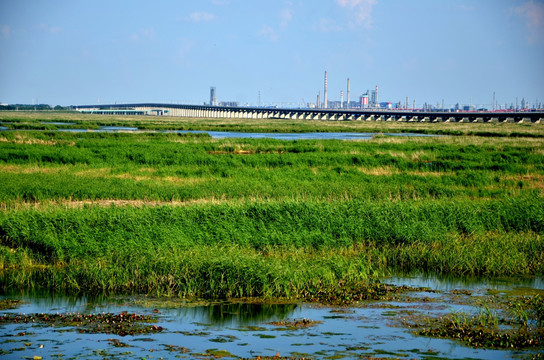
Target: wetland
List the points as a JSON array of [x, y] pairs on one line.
[[306, 244]]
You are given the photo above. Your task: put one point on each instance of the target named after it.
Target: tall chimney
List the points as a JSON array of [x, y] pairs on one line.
[[213, 97], [325, 102], [377, 102], [341, 99], [347, 104]]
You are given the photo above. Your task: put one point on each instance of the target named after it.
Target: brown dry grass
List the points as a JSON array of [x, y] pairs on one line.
[[379, 171], [26, 140], [20, 169], [70, 204], [533, 181]]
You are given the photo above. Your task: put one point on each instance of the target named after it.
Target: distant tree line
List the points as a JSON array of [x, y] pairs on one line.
[[27, 107]]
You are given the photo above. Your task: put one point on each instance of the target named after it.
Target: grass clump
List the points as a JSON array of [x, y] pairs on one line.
[[520, 326]]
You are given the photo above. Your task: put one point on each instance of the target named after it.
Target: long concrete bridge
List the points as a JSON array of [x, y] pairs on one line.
[[207, 111]]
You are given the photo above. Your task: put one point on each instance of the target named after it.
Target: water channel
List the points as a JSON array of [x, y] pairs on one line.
[[236, 134], [248, 330]]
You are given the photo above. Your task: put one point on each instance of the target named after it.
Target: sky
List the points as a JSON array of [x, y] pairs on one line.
[[76, 52]]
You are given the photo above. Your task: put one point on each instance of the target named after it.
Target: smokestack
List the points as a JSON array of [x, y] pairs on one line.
[[341, 99], [377, 101], [494, 101], [325, 102], [347, 105], [318, 103], [213, 98]]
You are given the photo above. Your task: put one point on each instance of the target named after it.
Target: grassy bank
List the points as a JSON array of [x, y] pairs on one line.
[[314, 219]]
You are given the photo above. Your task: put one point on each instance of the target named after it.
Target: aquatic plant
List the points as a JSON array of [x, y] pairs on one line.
[[490, 328], [107, 323]]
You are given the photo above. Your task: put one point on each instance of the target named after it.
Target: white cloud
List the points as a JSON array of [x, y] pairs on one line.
[[143, 34], [184, 50], [5, 30], [50, 29], [466, 7], [286, 16], [268, 33], [328, 25], [201, 16], [533, 13], [361, 10]]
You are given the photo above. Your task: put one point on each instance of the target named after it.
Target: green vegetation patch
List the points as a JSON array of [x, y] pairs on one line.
[[107, 323], [319, 220], [6, 304], [330, 252]]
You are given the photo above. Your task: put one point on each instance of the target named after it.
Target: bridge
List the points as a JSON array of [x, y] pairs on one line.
[[227, 112]]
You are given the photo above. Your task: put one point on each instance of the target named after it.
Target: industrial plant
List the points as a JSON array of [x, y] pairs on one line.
[[370, 100], [367, 107]]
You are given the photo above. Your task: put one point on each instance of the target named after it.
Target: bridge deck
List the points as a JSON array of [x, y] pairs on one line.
[[206, 111]]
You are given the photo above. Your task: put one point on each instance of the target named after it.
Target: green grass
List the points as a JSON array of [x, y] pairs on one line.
[[50, 166], [313, 219]]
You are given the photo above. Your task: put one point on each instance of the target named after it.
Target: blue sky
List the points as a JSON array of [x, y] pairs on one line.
[[80, 52]]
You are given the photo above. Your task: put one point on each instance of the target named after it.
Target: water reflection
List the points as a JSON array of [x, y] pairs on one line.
[[445, 283], [57, 123], [370, 329], [242, 313]]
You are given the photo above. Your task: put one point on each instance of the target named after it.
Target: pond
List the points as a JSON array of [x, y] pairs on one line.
[[173, 328]]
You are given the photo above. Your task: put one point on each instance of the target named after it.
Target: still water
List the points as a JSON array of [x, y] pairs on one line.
[[245, 330], [236, 134], [249, 135]]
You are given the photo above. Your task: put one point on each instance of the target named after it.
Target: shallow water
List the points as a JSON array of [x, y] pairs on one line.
[[246, 330], [57, 123], [243, 135], [303, 136]]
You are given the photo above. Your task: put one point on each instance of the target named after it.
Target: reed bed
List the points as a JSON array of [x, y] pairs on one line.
[[188, 215], [272, 249]]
